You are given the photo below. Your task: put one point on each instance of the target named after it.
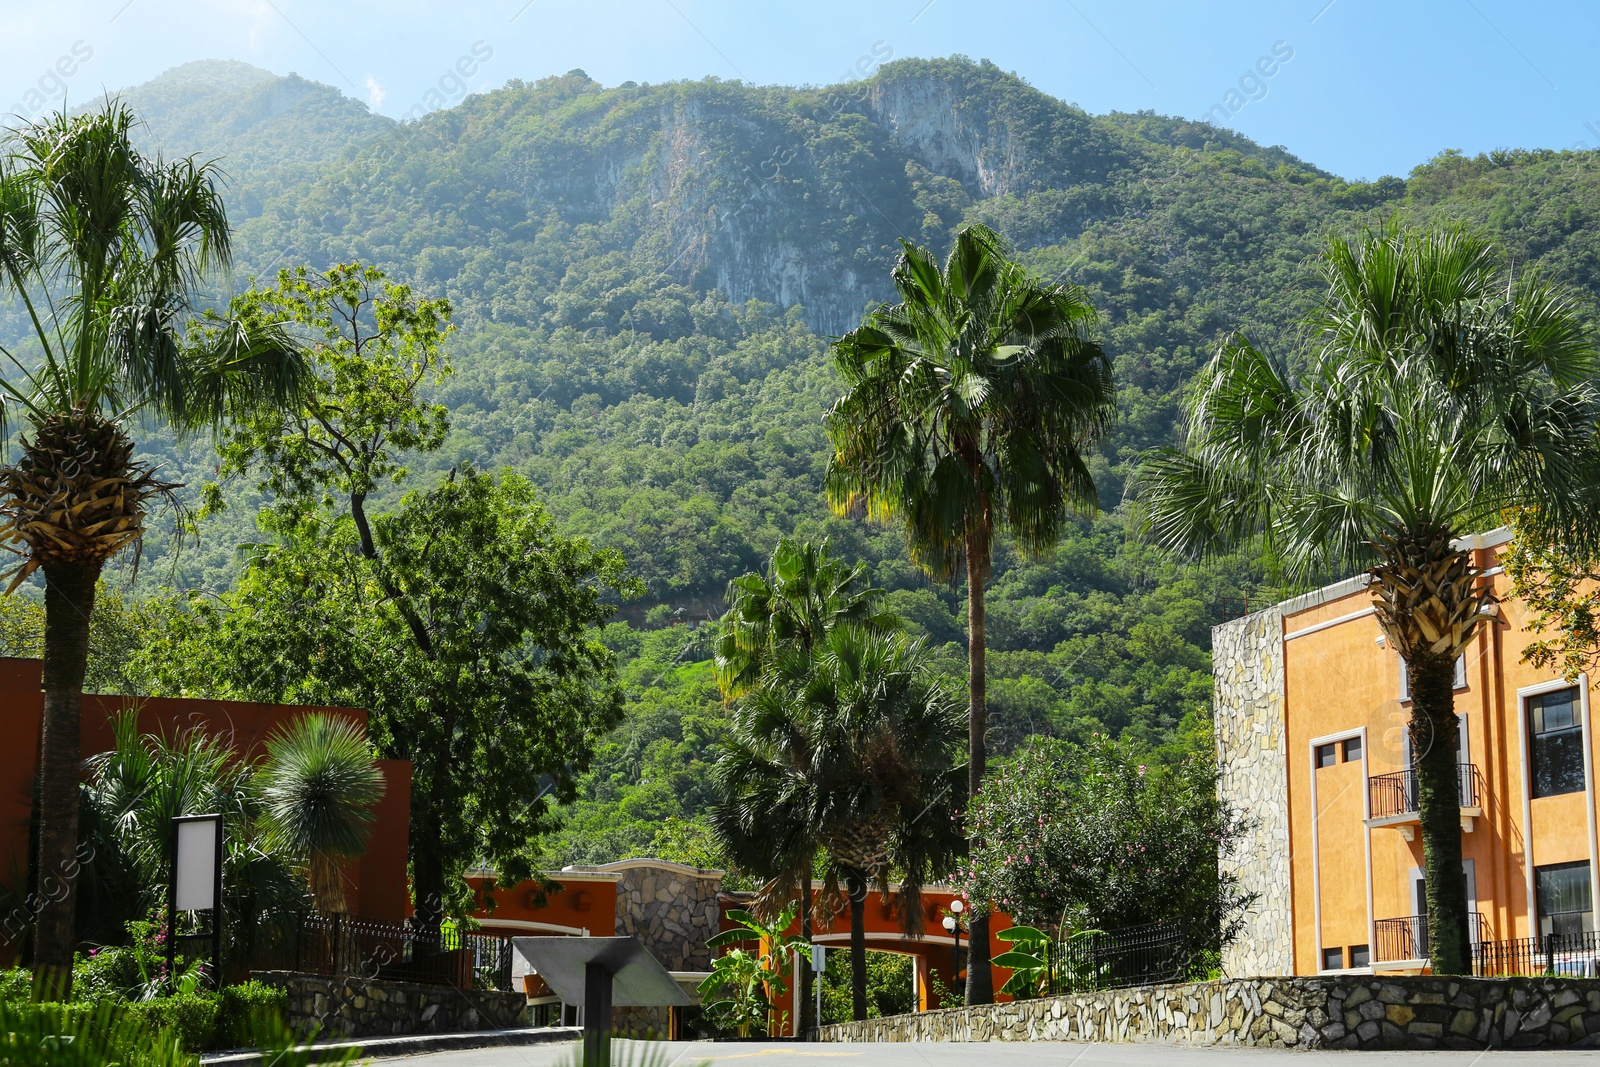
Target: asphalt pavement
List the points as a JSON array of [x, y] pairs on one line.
[[1057, 1054]]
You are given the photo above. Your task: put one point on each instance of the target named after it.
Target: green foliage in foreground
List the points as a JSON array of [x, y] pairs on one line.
[[69, 1035]]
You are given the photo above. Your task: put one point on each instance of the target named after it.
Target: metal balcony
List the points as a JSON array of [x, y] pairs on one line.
[[1405, 940], [1392, 799]]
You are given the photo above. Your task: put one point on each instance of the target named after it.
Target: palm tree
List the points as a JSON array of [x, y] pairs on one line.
[[318, 788], [104, 248], [1441, 394], [851, 747], [805, 595], [969, 407]]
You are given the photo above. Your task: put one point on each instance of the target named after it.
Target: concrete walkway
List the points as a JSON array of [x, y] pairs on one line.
[[785, 1054]]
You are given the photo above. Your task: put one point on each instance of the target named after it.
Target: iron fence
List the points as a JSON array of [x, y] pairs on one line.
[[1554, 954], [350, 945], [1138, 955], [1396, 793], [1406, 938]]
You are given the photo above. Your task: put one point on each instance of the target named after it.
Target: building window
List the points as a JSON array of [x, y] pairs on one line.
[[1327, 755], [1333, 959], [1352, 750], [1555, 721], [1566, 903], [1360, 956]]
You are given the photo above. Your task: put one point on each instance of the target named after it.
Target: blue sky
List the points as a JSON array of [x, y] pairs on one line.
[[1371, 87]]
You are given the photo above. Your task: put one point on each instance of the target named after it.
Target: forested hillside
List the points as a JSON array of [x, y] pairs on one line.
[[645, 279]]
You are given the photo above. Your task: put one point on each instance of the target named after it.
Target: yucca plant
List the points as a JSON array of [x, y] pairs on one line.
[[1443, 394], [318, 788], [104, 249]]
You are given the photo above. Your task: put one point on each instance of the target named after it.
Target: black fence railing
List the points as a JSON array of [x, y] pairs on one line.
[[1138, 955], [1396, 793], [1406, 938], [348, 945], [1555, 954]]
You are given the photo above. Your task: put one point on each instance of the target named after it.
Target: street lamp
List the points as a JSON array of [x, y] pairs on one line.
[[952, 926]]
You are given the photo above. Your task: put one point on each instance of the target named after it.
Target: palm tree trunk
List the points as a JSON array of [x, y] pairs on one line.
[[858, 945], [980, 980], [427, 878], [806, 1021], [1435, 742], [68, 604]]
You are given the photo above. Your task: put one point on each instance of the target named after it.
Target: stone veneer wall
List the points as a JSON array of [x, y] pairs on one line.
[[674, 912], [1333, 1012], [360, 1007], [1247, 665]]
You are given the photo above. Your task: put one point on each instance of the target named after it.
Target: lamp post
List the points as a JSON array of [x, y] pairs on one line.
[[952, 926]]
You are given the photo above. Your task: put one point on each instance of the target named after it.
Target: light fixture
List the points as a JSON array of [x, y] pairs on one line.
[[957, 906], [949, 924]]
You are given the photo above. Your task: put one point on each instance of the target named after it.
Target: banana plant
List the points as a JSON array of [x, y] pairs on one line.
[[1035, 969], [752, 984]]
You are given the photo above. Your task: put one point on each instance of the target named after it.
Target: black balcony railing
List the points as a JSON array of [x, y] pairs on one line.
[[1396, 794], [348, 945], [1406, 938], [1563, 954]]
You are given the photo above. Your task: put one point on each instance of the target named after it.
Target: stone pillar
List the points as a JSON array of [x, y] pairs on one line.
[[673, 910], [1247, 665]]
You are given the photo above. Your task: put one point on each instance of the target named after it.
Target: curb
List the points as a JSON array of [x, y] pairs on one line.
[[410, 1045]]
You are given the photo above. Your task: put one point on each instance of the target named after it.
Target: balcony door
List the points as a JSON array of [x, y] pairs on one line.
[[1419, 904], [1463, 751]]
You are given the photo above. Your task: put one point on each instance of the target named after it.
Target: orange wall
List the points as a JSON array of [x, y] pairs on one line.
[[377, 881], [586, 902], [1340, 680]]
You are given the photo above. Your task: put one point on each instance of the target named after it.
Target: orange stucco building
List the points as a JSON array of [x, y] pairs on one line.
[[375, 883], [1311, 716]]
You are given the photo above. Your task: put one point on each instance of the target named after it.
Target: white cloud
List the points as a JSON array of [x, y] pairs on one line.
[[376, 94]]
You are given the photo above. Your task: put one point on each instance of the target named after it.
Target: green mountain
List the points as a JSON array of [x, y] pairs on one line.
[[646, 277]]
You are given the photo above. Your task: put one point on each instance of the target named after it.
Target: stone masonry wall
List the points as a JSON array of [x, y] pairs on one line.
[[1333, 1012], [359, 1007], [1247, 665], [672, 911]]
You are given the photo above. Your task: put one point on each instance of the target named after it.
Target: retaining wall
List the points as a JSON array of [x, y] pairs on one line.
[[1333, 1012], [360, 1007]]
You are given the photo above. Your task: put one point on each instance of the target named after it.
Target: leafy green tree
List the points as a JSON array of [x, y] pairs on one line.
[[318, 788], [969, 410], [1560, 584], [461, 620], [1075, 837], [805, 595], [105, 249], [851, 747], [1442, 393]]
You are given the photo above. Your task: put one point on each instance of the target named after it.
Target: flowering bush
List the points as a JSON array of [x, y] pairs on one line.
[[1076, 837]]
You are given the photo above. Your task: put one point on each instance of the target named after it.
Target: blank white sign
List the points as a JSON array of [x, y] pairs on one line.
[[197, 864]]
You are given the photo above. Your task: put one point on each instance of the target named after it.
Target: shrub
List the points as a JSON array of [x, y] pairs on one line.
[[16, 984], [248, 1012], [190, 1017]]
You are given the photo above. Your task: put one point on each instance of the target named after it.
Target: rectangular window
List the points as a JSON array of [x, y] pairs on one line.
[[1352, 750], [1327, 756], [1566, 902], [1360, 956], [1555, 726], [1333, 959]]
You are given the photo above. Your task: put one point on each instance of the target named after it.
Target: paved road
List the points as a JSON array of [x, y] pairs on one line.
[[783, 1054]]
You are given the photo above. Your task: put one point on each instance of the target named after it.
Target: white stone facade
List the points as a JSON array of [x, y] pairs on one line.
[[1247, 664]]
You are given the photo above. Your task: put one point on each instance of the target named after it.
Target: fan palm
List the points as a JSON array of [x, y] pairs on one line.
[[318, 788], [1441, 394], [851, 746], [805, 594], [969, 408], [104, 249]]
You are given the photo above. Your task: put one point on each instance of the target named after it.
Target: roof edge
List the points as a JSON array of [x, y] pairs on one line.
[[1357, 582]]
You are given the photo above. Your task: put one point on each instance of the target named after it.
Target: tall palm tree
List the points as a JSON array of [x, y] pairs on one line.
[[104, 249], [969, 408], [805, 595], [851, 746], [318, 788], [1442, 393]]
